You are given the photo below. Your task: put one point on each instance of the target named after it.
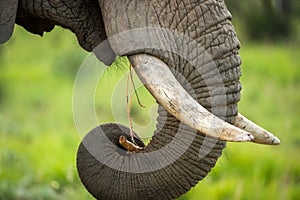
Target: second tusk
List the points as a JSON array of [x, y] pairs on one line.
[[261, 136]]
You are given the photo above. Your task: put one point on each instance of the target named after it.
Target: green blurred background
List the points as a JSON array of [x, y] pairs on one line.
[[38, 138]]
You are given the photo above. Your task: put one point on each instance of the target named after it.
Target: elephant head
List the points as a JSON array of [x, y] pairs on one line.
[[186, 54]]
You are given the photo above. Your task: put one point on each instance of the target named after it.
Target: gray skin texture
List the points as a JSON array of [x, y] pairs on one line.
[[208, 23]]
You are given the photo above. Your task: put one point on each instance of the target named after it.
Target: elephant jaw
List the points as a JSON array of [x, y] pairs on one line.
[[159, 80]]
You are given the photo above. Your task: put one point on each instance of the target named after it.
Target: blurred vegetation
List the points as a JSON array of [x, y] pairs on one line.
[[38, 138], [266, 19]]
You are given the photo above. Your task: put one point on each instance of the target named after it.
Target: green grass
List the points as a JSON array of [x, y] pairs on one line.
[[38, 137]]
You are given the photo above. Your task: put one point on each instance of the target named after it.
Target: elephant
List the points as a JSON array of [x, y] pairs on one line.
[[187, 55]]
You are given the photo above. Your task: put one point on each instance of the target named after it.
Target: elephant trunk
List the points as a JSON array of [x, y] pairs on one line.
[[199, 44]]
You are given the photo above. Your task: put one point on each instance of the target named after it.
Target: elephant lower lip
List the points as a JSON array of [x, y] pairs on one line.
[[159, 80]]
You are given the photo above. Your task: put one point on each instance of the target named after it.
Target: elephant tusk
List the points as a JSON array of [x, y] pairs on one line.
[[261, 136], [162, 84]]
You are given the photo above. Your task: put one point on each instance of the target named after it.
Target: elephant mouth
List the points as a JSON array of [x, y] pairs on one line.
[[160, 82]]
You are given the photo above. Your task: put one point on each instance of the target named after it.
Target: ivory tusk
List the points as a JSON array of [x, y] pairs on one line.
[[261, 136], [162, 84]]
